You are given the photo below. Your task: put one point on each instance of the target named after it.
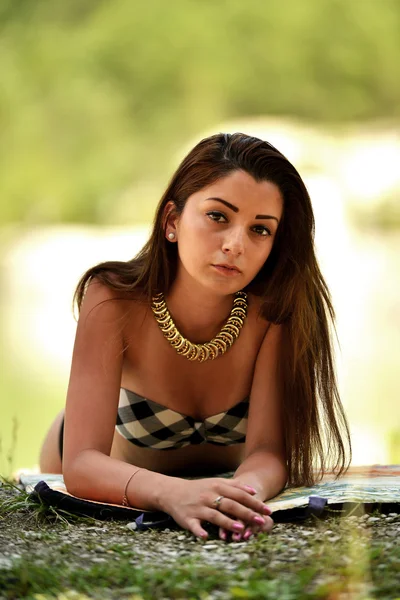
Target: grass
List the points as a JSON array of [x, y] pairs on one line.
[[9, 456], [60, 556], [26, 579], [35, 512], [182, 581]]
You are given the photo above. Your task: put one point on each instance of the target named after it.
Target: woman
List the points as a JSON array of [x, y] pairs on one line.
[[222, 320]]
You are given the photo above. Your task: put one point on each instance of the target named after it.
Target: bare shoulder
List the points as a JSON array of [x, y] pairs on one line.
[[102, 302]]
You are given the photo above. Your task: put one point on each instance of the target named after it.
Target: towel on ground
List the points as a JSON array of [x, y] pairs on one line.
[[371, 487]]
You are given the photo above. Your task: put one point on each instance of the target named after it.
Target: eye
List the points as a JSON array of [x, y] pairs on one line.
[[263, 231], [215, 215]]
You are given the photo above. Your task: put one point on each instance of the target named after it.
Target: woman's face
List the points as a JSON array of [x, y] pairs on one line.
[[233, 222]]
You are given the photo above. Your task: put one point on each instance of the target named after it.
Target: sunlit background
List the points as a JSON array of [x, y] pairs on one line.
[[99, 101]]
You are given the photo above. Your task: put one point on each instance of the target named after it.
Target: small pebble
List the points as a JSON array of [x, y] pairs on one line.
[[5, 563], [393, 533], [274, 563], [373, 519], [242, 556], [132, 526], [99, 559]]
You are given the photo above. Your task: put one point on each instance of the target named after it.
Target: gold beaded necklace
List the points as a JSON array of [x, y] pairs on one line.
[[210, 350]]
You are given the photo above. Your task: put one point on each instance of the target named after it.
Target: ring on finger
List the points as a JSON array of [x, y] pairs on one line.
[[216, 503]]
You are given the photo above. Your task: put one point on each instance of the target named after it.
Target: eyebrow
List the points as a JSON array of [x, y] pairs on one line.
[[236, 210]]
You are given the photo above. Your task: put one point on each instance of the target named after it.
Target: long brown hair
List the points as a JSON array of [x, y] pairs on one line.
[[290, 284]]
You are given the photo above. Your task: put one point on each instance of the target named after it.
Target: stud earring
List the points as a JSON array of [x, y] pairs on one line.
[[171, 236]]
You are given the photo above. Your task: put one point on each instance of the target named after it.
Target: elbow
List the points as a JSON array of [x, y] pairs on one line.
[[276, 464], [71, 479], [75, 473]]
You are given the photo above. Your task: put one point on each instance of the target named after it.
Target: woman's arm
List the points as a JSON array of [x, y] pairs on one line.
[[265, 472], [91, 409], [264, 465], [96, 476]]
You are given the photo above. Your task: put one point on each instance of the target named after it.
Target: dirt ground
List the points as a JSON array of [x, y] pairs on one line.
[[43, 556]]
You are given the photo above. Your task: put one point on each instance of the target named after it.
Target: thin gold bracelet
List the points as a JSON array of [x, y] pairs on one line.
[[125, 501]]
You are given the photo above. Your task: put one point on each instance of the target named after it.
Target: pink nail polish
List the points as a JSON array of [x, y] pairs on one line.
[[247, 535], [267, 509], [239, 526], [250, 489], [259, 520], [236, 537], [223, 535]]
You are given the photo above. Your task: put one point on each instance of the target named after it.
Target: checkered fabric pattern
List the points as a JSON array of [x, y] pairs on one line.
[[148, 424]]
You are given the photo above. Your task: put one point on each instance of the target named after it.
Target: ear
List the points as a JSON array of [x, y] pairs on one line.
[[170, 218]]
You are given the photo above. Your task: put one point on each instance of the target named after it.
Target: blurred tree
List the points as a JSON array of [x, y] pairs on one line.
[[98, 95]]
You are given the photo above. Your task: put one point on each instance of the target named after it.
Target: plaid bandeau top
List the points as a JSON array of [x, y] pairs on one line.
[[148, 424]]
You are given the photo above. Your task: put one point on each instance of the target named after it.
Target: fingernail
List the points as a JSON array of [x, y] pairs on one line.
[[250, 489], [267, 509], [236, 537], [223, 535], [238, 526], [259, 520], [247, 535]]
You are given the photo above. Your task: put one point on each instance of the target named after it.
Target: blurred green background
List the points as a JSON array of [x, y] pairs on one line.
[[99, 101]]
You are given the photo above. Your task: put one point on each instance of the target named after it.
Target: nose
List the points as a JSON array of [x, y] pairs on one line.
[[234, 242]]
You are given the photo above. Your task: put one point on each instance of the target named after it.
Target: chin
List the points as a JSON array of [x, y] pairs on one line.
[[226, 288]]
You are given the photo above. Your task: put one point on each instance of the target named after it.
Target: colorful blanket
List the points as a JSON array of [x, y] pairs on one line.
[[374, 484]]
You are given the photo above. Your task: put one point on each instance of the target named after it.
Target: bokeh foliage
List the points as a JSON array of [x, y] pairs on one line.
[[97, 96]]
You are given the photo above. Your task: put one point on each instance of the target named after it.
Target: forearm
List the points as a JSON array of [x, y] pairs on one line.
[[265, 472], [96, 476]]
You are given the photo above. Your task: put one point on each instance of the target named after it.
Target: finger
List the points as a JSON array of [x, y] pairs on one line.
[[222, 520], [248, 533], [222, 534], [255, 529], [266, 528], [250, 490], [245, 499], [236, 510], [247, 488], [237, 536], [195, 527]]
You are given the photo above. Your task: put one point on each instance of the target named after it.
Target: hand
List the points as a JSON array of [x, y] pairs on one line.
[[250, 530], [190, 501]]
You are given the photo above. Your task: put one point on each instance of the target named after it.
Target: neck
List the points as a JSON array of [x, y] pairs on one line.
[[198, 314]]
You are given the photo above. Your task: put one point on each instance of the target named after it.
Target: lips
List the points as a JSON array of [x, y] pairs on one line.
[[229, 267]]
